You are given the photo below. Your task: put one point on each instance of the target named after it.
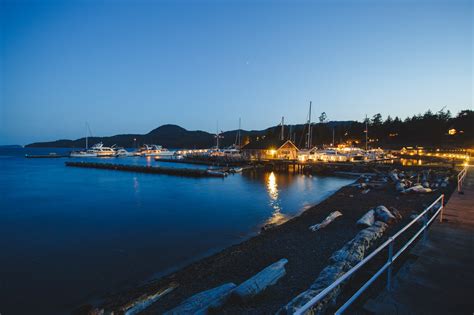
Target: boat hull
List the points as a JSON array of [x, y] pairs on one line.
[[83, 155]]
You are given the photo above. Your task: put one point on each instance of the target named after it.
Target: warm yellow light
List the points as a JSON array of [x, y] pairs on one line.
[[272, 151], [452, 131]]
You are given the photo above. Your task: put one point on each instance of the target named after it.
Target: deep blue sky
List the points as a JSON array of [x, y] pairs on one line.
[[130, 66]]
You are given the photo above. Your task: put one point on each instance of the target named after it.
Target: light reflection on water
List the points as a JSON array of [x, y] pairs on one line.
[[272, 188]]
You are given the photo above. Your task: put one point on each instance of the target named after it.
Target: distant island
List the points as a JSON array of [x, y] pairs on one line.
[[430, 130]]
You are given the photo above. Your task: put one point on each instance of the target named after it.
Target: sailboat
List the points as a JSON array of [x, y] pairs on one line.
[[85, 153]]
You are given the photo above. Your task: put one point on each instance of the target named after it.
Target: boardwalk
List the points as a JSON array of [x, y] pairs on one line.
[[441, 278]]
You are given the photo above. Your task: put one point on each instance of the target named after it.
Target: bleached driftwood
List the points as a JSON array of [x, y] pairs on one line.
[[201, 302], [367, 219], [331, 217], [340, 262], [259, 282], [417, 189], [144, 301], [384, 215]]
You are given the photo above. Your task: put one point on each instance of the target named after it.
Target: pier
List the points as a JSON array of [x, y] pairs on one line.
[[188, 172], [45, 156], [440, 280]]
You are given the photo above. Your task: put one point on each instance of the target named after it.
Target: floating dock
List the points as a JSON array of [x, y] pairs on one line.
[[189, 172], [45, 156]]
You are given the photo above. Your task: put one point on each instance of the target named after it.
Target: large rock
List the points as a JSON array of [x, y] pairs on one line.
[[394, 176], [200, 303], [331, 217], [259, 282], [367, 219], [399, 186]]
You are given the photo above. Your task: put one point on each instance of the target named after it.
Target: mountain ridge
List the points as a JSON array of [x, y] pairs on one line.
[[171, 136]]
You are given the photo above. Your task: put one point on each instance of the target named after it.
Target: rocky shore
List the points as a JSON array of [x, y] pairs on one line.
[[307, 251]]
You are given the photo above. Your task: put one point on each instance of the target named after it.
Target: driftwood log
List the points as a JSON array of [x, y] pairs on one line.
[[144, 301], [331, 217], [340, 262], [259, 282], [417, 189], [367, 219], [384, 215], [200, 303]]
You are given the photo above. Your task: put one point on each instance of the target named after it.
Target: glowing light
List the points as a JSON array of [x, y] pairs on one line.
[[272, 188], [452, 131]]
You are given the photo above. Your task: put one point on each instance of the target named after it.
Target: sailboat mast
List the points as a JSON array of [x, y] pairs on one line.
[[238, 137], [309, 127], [87, 140], [217, 135], [333, 141], [282, 135], [366, 132], [240, 134]]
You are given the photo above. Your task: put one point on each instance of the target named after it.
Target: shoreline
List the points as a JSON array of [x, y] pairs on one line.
[[291, 240]]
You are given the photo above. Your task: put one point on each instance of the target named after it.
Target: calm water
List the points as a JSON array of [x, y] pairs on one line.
[[69, 235]]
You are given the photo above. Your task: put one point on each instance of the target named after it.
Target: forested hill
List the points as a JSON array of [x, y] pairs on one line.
[[169, 136], [429, 130]]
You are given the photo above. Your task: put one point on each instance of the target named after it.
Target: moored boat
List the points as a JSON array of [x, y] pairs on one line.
[[154, 150], [83, 154], [121, 152], [102, 151]]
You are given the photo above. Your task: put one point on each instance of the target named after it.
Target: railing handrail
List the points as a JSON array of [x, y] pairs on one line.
[[388, 242], [462, 174]]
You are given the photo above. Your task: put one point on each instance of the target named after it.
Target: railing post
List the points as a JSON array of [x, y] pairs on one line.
[[390, 260], [442, 209], [425, 225]]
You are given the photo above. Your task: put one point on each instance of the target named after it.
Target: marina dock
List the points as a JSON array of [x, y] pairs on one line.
[[441, 278], [45, 156], [188, 172]]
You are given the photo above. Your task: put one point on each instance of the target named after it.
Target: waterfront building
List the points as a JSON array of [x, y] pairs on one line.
[[270, 149]]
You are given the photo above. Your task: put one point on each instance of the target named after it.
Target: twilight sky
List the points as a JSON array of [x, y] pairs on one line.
[[130, 66]]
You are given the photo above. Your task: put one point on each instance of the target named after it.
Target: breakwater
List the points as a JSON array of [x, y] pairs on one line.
[[189, 172]]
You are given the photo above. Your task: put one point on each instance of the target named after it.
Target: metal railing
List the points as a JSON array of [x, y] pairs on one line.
[[462, 174], [386, 267]]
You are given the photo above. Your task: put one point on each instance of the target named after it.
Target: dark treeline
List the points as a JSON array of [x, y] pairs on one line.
[[428, 130]]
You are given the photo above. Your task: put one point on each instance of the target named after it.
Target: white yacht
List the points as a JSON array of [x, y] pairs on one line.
[[154, 150], [164, 153], [121, 152], [103, 151], [83, 154]]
